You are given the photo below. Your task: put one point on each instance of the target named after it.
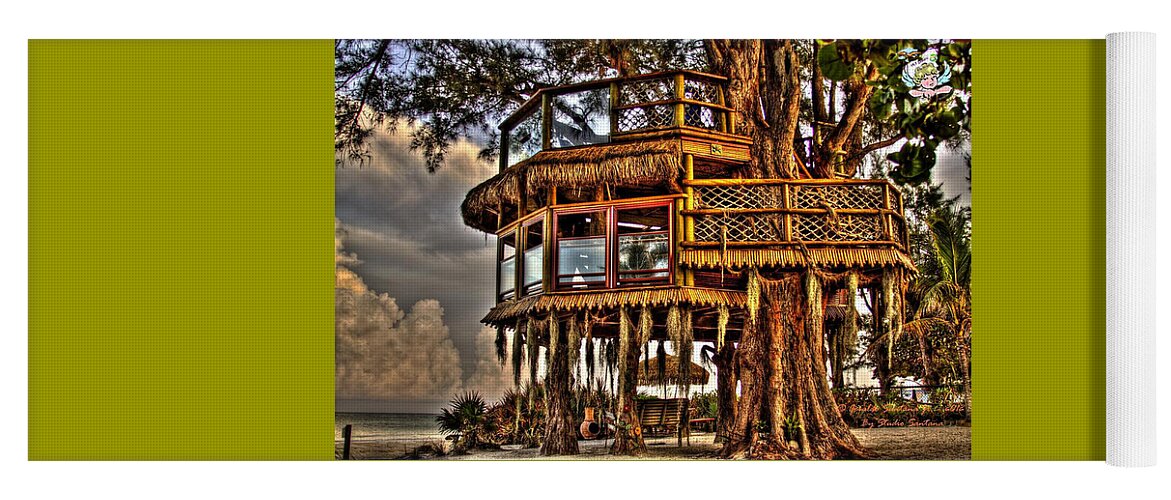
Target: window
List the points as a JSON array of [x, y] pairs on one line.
[[581, 249], [506, 275], [644, 244], [534, 256]]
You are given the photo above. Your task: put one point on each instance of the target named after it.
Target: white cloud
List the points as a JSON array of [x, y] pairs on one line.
[[386, 354]]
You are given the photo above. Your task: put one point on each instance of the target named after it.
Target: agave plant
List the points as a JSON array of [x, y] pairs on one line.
[[465, 416]]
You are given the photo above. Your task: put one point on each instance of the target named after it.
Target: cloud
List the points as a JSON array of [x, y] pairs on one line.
[[488, 376], [405, 224], [402, 360]]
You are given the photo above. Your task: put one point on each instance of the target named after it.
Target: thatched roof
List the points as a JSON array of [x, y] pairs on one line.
[[796, 257], [639, 163], [650, 376], [508, 311]]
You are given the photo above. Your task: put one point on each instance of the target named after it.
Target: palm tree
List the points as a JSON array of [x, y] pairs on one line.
[[946, 306]]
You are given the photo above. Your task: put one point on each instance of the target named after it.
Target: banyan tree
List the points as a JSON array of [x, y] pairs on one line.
[[635, 211]]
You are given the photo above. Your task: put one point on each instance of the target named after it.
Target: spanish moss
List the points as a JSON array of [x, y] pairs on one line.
[[517, 357], [753, 293], [721, 325], [532, 338], [686, 344], [574, 344], [501, 345]]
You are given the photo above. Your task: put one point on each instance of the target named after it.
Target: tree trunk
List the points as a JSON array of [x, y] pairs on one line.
[[786, 409], [878, 351], [560, 431], [628, 439], [725, 389], [764, 89]]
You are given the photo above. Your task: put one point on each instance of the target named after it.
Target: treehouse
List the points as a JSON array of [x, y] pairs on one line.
[[630, 194]]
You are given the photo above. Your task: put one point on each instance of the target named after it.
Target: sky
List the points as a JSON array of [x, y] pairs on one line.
[[412, 281]]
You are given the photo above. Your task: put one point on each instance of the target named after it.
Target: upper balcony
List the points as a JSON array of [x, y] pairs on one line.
[[616, 110]]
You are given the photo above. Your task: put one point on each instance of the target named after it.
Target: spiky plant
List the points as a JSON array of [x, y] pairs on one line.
[[465, 415]]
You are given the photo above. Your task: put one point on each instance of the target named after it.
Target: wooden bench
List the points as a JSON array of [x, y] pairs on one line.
[[664, 417]]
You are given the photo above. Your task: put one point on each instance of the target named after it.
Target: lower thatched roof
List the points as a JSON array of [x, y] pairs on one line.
[[639, 163], [649, 375], [506, 312], [796, 257]]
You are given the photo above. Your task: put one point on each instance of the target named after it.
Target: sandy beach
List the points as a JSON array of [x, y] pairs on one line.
[[889, 443]]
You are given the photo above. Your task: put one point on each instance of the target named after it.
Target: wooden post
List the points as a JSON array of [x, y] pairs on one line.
[[547, 274], [724, 125], [689, 202], [522, 197], [346, 431], [504, 145], [680, 233], [680, 111], [786, 202], [615, 101], [546, 121]]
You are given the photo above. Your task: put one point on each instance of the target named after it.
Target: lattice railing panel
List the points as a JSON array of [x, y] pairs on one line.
[[898, 229], [839, 228], [740, 227], [721, 197], [646, 117], [838, 196], [700, 116], [640, 91], [701, 90]]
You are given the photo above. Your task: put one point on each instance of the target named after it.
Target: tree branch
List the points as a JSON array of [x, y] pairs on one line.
[[870, 148]]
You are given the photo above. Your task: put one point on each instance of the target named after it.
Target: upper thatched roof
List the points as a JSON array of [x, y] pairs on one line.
[[639, 163]]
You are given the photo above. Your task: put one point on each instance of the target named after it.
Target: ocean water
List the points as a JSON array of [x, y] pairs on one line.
[[388, 427]]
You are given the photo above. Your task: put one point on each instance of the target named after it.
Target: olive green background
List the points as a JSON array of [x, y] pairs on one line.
[[1039, 250], [180, 251], [181, 269]]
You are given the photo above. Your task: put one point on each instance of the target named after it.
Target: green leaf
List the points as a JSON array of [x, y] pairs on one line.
[[880, 104], [832, 65]]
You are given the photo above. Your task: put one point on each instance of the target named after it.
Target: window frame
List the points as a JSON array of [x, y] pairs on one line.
[[511, 293], [556, 250], [523, 228], [612, 272]]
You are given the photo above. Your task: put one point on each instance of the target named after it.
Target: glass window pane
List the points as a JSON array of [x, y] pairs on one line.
[[582, 261], [509, 243], [534, 234], [644, 244], [581, 224], [534, 270], [507, 275], [524, 140], [643, 252], [507, 265], [643, 220], [581, 118]]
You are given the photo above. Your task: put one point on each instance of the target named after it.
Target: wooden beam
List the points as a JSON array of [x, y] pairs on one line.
[[790, 244], [689, 202]]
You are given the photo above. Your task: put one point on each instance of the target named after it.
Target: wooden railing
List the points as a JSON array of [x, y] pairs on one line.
[[602, 111], [772, 212]]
